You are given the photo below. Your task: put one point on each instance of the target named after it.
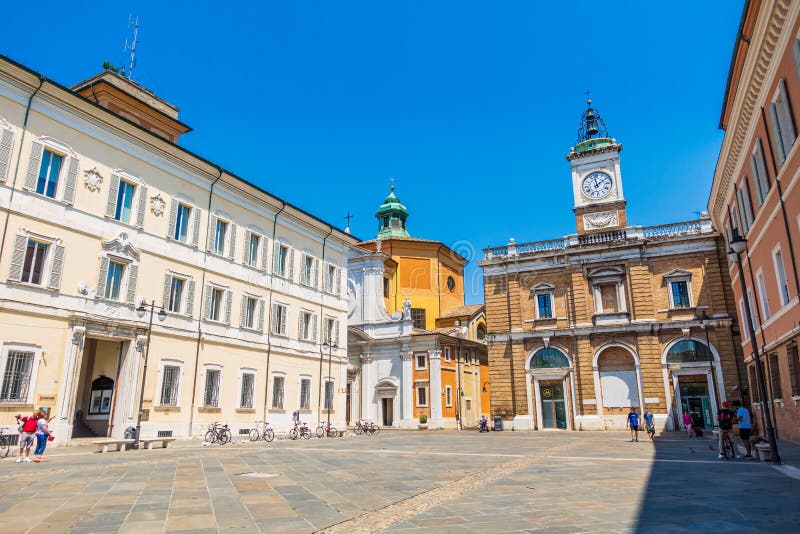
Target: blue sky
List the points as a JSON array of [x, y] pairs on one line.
[[470, 105]]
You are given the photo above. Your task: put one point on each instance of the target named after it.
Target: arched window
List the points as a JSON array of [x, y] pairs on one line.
[[549, 358], [480, 331], [689, 351]]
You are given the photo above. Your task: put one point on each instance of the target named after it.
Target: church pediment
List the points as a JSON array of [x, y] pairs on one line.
[[602, 272], [678, 273]]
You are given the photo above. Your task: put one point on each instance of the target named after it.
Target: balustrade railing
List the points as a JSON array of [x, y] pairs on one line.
[[651, 233]]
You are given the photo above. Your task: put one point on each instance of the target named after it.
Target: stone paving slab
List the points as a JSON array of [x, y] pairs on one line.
[[403, 482]]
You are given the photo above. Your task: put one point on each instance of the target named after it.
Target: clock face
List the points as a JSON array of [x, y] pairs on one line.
[[596, 185]]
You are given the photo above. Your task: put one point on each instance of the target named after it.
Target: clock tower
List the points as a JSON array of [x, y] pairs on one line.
[[596, 178]]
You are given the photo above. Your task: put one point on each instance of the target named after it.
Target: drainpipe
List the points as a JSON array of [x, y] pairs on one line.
[[202, 299], [42, 79], [269, 309], [322, 352]]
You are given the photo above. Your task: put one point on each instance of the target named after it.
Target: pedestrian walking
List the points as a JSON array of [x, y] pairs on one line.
[[27, 429], [743, 416], [43, 435], [687, 423], [633, 423], [649, 424]]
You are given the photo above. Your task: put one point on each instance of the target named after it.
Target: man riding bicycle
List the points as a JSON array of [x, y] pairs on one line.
[[725, 419]]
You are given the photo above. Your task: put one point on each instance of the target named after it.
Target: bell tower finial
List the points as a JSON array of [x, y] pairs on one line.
[[592, 124], [392, 216]]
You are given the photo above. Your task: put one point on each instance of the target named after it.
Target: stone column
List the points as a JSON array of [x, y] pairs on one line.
[[435, 388], [407, 389], [367, 387], [62, 427]]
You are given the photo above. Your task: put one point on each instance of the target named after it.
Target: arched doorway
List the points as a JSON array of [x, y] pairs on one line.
[[553, 384], [618, 384], [696, 381]]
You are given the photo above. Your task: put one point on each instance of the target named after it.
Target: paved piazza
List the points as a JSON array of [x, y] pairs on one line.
[[402, 482]]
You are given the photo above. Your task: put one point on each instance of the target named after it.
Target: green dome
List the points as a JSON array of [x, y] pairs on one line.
[[392, 217]]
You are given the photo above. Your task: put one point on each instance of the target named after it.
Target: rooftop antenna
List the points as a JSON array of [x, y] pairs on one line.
[[132, 23]]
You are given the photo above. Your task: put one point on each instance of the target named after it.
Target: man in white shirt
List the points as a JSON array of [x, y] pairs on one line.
[[743, 416]]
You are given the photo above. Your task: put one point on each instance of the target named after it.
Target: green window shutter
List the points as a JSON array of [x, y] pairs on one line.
[[133, 277], [264, 250], [290, 266], [242, 310], [261, 314], [189, 298], [34, 164], [247, 234], [18, 258], [207, 303], [57, 267], [196, 214], [167, 290], [100, 293], [314, 282], [776, 134], [232, 241], [6, 147], [228, 305], [72, 179], [273, 321], [142, 206], [212, 232], [275, 251], [313, 336], [111, 202], [173, 218]]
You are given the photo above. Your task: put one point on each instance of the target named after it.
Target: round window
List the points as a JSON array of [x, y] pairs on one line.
[[451, 284]]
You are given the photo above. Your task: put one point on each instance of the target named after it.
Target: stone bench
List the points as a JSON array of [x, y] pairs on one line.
[[103, 444], [165, 442], [763, 451]]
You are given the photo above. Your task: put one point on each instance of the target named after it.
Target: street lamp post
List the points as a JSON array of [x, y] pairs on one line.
[[331, 345], [142, 309], [739, 245]]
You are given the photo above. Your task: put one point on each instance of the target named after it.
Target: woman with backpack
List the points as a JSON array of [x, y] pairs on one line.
[[43, 435]]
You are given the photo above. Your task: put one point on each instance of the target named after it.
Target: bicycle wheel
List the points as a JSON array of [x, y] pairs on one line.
[[306, 433], [729, 449], [4, 448], [293, 433], [358, 430], [211, 437], [254, 435], [332, 432], [269, 435], [225, 437], [376, 430], [320, 431]]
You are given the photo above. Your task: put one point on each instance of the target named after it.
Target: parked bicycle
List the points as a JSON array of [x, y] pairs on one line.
[[300, 430], [5, 444], [218, 433], [326, 430], [262, 431], [365, 426]]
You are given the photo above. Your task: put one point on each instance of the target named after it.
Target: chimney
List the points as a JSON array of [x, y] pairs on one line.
[[130, 100]]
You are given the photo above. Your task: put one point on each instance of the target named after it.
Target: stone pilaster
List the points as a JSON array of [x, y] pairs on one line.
[[407, 385], [435, 401]]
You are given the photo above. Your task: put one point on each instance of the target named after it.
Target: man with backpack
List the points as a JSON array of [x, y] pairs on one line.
[[725, 419], [27, 429]]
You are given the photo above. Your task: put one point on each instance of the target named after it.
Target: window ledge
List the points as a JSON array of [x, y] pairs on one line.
[[15, 405], [171, 239], [251, 329], [245, 410], [279, 334], [209, 409], [611, 318], [176, 409], [778, 402], [681, 310], [31, 285]]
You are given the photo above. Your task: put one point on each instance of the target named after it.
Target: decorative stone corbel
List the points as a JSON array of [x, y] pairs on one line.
[[406, 355], [141, 341], [78, 333], [546, 341], [686, 332]]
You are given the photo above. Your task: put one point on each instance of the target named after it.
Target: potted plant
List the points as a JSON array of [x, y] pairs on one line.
[[423, 421]]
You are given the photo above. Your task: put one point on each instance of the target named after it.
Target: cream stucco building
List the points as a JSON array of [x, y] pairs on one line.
[[102, 211]]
